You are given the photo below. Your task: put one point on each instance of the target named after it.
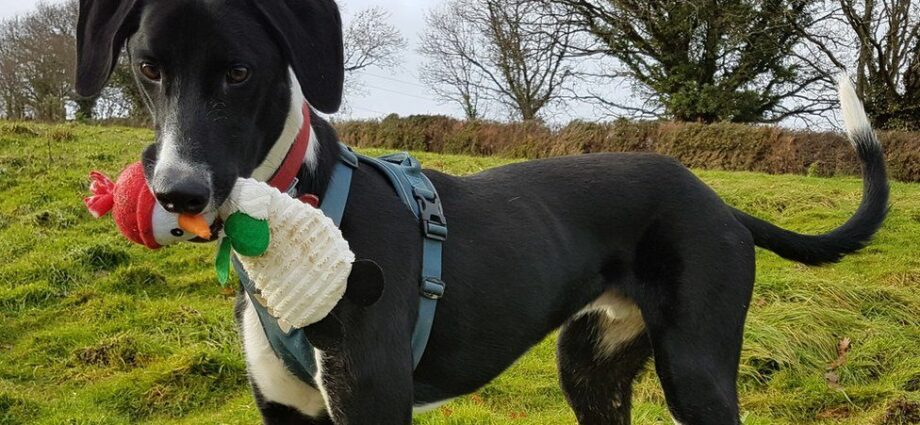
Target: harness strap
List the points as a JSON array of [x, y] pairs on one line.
[[419, 195], [336, 196], [431, 291], [293, 348]]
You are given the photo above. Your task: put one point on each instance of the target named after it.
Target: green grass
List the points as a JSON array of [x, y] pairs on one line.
[[94, 330]]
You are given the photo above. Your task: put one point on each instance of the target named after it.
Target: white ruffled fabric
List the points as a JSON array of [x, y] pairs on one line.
[[304, 273]]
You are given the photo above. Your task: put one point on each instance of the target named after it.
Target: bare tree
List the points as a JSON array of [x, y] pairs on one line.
[[505, 51], [37, 59], [370, 42], [13, 104], [450, 74], [37, 62], [48, 58], [882, 39]]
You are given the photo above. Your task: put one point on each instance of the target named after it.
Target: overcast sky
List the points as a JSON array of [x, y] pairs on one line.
[[385, 91], [399, 90]]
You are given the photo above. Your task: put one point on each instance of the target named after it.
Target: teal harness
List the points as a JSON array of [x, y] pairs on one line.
[[419, 195]]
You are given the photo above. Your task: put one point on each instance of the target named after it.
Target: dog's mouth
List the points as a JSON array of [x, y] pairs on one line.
[[216, 228], [206, 225]]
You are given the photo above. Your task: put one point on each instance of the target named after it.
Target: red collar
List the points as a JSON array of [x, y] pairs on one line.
[[287, 173]]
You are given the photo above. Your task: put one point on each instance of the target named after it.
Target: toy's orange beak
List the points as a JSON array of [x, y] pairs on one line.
[[196, 225]]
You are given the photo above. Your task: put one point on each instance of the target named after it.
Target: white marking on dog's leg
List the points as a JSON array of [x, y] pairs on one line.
[[620, 324], [273, 380], [292, 126], [318, 378], [318, 359]]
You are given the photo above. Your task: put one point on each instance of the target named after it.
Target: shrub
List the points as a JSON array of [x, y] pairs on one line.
[[61, 135], [723, 146], [17, 129]]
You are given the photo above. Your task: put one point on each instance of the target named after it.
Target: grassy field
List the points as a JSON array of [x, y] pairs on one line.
[[96, 331]]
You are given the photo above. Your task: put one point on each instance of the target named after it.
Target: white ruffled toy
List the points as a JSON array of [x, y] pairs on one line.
[[295, 256]]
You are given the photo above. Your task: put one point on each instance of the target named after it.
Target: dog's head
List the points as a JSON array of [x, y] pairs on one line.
[[222, 78]]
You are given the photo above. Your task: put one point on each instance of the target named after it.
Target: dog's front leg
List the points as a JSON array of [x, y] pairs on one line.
[[367, 386]]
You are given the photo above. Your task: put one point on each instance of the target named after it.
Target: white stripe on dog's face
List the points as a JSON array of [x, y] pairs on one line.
[[168, 157], [172, 166]]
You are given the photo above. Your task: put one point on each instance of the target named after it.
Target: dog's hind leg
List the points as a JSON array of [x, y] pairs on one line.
[[694, 294], [600, 352]]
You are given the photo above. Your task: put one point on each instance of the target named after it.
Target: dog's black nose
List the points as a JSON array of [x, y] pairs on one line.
[[184, 196]]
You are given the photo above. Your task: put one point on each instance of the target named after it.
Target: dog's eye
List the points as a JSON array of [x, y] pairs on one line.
[[237, 74], [151, 71]]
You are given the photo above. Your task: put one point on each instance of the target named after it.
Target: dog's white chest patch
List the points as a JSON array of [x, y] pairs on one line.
[[267, 371], [280, 386]]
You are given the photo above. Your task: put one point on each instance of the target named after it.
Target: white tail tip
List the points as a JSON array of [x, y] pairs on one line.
[[854, 115]]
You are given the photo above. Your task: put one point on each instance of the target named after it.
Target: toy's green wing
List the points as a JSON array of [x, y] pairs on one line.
[[223, 262], [249, 236]]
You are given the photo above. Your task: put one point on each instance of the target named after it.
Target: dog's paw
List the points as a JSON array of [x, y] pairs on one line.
[[365, 284]]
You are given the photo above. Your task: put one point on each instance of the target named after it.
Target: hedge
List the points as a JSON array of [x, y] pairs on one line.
[[726, 146]]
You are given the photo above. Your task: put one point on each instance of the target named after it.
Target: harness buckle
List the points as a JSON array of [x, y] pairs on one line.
[[431, 214], [432, 288], [292, 189]]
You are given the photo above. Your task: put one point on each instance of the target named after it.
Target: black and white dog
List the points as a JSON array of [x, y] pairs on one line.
[[630, 254]]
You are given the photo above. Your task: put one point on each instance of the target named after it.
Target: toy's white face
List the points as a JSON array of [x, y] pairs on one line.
[[166, 228]]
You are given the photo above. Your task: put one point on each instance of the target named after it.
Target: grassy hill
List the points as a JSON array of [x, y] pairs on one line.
[[96, 331]]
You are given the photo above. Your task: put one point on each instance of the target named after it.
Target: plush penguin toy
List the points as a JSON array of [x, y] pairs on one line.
[[295, 256], [138, 215]]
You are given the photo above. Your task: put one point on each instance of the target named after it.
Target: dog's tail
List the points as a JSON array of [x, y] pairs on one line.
[[859, 229]]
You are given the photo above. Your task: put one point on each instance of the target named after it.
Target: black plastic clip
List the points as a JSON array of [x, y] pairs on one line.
[[431, 214], [432, 288]]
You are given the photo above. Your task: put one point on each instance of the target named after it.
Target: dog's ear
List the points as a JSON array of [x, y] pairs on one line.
[[102, 29], [365, 284], [310, 33]]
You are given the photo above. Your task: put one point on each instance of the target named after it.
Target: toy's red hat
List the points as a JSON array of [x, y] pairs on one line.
[[130, 201]]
